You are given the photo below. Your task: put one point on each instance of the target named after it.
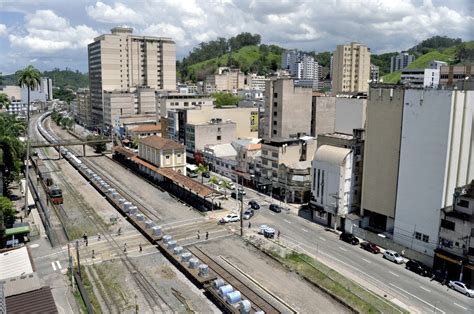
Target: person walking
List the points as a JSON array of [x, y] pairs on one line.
[[125, 247], [250, 225], [119, 231], [98, 236], [93, 254], [199, 235], [207, 235], [278, 234], [140, 247]]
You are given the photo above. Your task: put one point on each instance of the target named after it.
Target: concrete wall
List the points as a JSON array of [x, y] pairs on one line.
[[323, 115], [382, 149], [435, 148], [116, 105], [207, 134], [350, 114]]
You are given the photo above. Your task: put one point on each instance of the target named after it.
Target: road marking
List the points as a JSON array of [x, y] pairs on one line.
[[54, 266], [393, 274], [460, 306], [419, 299], [322, 239], [427, 290], [304, 230], [345, 250], [59, 265], [366, 260], [286, 220]]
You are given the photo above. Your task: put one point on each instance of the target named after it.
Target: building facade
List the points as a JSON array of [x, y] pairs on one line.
[[323, 115], [350, 114], [287, 109], [84, 109], [301, 67], [401, 61], [419, 78], [123, 61], [213, 132], [374, 73], [227, 79], [450, 75], [351, 69], [163, 153], [255, 82]]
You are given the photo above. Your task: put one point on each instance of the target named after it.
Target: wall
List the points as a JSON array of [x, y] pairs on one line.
[[206, 134], [382, 146], [323, 115], [350, 114]]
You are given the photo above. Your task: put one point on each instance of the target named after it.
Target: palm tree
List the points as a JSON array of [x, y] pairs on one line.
[[202, 169], [4, 101], [225, 185], [30, 78]]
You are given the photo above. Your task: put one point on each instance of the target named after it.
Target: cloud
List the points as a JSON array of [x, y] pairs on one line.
[[118, 13], [3, 30], [166, 30], [47, 32]]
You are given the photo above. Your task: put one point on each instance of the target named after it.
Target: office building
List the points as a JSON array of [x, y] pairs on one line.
[[255, 82], [287, 109], [419, 78], [401, 61], [374, 73], [83, 113], [121, 61], [213, 132], [450, 75], [351, 69]]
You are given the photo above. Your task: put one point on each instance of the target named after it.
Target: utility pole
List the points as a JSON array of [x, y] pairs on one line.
[[78, 260], [241, 196], [70, 264]]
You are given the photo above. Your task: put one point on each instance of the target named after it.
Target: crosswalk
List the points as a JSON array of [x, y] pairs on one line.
[[56, 265]]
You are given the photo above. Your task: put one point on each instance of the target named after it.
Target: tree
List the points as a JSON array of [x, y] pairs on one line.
[[225, 185], [214, 180], [202, 169], [7, 210], [30, 78], [4, 101], [225, 99], [98, 147]]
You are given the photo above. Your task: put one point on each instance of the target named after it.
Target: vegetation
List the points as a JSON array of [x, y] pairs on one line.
[[64, 94], [202, 169], [7, 212], [12, 150], [98, 147], [225, 99], [61, 78], [383, 62], [63, 121], [436, 43], [4, 101], [225, 185]]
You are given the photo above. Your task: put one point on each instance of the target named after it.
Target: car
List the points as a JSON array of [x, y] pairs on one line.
[[248, 214], [418, 267], [462, 287], [349, 238], [254, 205], [231, 186], [274, 208], [371, 247], [269, 233], [234, 195], [206, 174], [393, 256], [230, 218], [262, 228], [241, 191]]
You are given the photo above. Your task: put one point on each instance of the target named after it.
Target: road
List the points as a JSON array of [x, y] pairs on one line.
[[417, 293]]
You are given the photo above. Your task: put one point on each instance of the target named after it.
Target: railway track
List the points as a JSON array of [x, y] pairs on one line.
[[153, 298]]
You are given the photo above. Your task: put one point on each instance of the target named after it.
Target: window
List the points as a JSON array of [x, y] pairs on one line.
[[275, 113], [218, 129], [218, 137], [417, 235], [463, 203], [275, 104], [178, 155], [425, 238], [274, 165], [319, 177], [167, 157], [275, 95], [274, 132], [275, 154], [446, 224], [264, 152], [274, 123]]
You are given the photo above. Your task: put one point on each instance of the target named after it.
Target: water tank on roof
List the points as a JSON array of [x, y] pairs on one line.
[[156, 230], [178, 250], [193, 263], [203, 270], [186, 256], [140, 217], [149, 224], [171, 244], [219, 282]]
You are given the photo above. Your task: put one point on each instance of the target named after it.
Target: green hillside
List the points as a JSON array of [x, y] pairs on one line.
[[61, 78], [260, 59]]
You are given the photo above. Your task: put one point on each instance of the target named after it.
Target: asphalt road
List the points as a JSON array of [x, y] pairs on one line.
[[417, 293]]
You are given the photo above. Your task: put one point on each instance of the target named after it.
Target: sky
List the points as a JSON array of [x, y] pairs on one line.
[[54, 33]]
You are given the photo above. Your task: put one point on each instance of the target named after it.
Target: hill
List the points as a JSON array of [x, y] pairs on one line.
[[63, 79], [452, 55]]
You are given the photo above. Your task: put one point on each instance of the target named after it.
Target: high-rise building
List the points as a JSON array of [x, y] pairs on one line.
[[287, 109], [123, 61], [374, 73], [351, 69], [301, 67], [401, 61]]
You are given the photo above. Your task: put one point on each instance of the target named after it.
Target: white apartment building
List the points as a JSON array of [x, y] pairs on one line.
[[123, 61], [401, 61], [351, 69], [255, 82], [301, 67], [420, 77]]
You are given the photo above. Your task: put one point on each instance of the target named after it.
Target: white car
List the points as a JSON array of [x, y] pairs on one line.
[[230, 218], [393, 256], [462, 287]]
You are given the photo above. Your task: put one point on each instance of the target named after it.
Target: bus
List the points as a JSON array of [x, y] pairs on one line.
[[191, 171]]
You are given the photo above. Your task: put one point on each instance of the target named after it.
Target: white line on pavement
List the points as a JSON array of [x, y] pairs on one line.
[[366, 260], [286, 220], [427, 290], [460, 306], [322, 239], [345, 250], [304, 230], [433, 306], [59, 265], [393, 274], [54, 266]]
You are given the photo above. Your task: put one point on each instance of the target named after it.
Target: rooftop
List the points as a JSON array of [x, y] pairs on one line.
[[36, 301], [143, 128], [15, 263], [159, 142]]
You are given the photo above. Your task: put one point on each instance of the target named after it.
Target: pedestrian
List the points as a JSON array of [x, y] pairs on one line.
[[125, 247], [140, 247], [98, 236], [119, 231], [84, 236], [207, 235], [199, 235], [278, 234], [403, 253], [250, 225], [93, 254], [87, 242]]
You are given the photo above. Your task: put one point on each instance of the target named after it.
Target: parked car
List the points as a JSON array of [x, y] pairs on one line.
[[231, 186], [254, 205], [269, 232], [241, 191], [248, 214], [349, 238], [234, 195], [262, 229], [462, 287], [206, 174], [275, 208], [230, 218], [393, 256], [371, 247], [418, 268]]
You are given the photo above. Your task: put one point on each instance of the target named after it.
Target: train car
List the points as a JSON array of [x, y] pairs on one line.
[[55, 194]]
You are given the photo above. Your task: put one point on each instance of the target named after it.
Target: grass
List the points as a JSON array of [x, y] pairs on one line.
[[355, 296], [392, 78], [90, 292]]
